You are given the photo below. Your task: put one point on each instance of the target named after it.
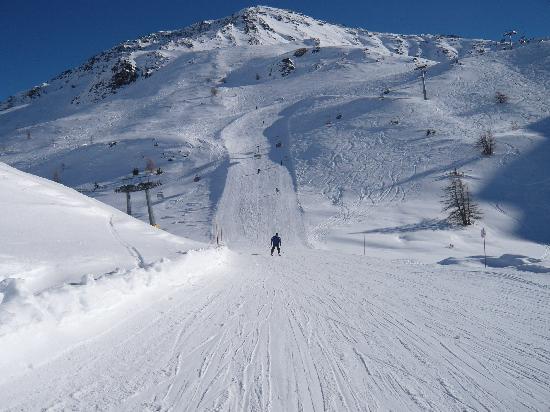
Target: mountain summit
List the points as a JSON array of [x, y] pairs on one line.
[[132, 60]]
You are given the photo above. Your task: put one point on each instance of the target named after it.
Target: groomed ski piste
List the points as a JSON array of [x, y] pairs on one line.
[[377, 302]]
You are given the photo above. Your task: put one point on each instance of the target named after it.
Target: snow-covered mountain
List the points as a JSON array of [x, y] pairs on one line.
[[271, 121], [173, 98], [105, 73]]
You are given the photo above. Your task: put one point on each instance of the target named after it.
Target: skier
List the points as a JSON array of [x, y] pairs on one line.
[[276, 243]]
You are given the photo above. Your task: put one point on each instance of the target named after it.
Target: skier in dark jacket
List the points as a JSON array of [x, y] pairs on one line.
[[276, 243]]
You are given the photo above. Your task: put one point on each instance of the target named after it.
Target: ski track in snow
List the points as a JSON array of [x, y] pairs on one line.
[[276, 334], [259, 196], [132, 250]]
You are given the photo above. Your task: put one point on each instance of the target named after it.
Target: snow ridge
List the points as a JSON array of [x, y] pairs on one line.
[[105, 73]]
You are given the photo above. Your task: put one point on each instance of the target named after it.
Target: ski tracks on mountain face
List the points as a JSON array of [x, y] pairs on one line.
[[259, 197], [311, 331]]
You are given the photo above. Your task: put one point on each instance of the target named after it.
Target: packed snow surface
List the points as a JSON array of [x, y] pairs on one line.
[[270, 121], [311, 330]]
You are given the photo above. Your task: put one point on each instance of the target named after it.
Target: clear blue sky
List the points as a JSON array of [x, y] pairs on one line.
[[39, 38]]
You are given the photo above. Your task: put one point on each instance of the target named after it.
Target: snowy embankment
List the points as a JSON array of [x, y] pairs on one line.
[[53, 234], [69, 258]]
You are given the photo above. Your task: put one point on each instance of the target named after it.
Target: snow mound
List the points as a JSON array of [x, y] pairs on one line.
[[20, 308], [56, 315], [55, 235]]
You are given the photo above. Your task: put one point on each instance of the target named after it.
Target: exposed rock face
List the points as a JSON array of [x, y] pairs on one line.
[[8, 104], [35, 92], [124, 72], [286, 66]]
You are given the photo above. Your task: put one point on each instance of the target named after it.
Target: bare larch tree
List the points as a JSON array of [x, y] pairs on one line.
[[458, 202]]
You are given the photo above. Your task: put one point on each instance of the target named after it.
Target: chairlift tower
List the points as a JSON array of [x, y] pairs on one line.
[[257, 155], [423, 69], [140, 187], [510, 34]]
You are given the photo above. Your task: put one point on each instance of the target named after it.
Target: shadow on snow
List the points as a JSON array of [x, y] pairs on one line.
[[525, 185]]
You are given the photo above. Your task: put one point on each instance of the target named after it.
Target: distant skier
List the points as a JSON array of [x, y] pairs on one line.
[[276, 243]]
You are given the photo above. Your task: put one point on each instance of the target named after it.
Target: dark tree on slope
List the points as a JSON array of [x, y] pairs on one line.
[[150, 165], [501, 98], [56, 176], [486, 143], [457, 201]]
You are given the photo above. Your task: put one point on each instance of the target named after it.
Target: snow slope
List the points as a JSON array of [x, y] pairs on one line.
[[359, 165], [314, 331], [56, 235], [269, 121], [68, 258]]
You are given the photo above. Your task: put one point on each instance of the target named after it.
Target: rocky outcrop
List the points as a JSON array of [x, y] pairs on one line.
[[124, 72], [35, 92], [286, 66]]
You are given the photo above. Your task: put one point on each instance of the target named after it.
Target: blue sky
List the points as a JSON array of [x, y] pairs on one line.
[[39, 39]]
